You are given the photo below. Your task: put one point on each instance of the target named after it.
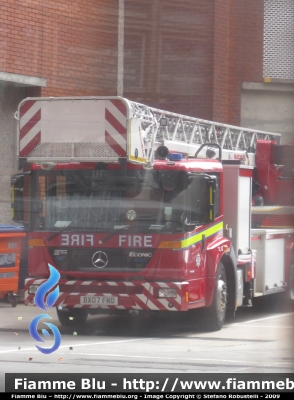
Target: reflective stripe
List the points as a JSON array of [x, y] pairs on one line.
[[198, 236]]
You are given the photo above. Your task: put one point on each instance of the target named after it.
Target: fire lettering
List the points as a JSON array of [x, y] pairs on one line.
[[76, 240], [134, 241]]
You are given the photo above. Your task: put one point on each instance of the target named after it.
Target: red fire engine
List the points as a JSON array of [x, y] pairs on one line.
[[144, 210]]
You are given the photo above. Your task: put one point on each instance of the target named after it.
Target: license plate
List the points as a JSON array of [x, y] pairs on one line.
[[99, 300]]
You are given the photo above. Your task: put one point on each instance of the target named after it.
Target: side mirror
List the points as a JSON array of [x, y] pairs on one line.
[[210, 153], [186, 226], [202, 198]]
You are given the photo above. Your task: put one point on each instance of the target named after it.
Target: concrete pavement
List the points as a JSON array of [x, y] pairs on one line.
[[17, 319]]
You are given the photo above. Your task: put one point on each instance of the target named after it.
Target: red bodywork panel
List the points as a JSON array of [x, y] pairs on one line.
[[275, 165], [189, 267]]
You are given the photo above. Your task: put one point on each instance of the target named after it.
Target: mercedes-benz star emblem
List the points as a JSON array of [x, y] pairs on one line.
[[99, 259]]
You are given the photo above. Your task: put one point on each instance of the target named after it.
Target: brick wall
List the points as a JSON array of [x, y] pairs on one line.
[[228, 25], [238, 54], [252, 52], [188, 57], [191, 56], [72, 44], [169, 55]]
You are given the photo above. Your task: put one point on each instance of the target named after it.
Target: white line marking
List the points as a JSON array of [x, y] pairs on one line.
[[265, 326], [262, 319], [142, 356], [77, 345]]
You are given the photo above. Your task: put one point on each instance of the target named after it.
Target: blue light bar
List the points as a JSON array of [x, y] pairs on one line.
[[175, 157]]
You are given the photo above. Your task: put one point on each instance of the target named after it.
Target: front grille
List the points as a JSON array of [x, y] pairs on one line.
[[105, 260]]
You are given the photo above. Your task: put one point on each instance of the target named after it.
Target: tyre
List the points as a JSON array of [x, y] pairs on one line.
[[213, 317], [13, 301], [72, 317], [12, 298]]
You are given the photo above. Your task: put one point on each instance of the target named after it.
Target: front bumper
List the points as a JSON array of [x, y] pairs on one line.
[[129, 295]]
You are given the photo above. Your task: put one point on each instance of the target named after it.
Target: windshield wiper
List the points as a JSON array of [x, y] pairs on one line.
[[68, 227], [114, 233]]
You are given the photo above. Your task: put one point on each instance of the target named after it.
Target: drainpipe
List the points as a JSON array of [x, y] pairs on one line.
[[120, 46]]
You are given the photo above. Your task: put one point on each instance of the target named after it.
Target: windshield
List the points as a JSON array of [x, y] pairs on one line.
[[109, 200]]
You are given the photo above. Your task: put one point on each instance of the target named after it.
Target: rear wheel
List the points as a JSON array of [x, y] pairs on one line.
[[213, 317], [72, 317]]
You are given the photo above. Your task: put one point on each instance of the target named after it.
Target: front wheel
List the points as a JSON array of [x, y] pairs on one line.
[[72, 317], [12, 298], [213, 317]]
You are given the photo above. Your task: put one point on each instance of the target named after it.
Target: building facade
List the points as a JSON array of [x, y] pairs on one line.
[[51, 48], [225, 60]]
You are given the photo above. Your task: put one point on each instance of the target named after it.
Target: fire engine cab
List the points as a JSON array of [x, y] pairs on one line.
[[145, 210]]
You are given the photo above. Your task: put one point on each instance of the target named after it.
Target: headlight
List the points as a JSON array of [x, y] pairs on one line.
[[164, 292], [33, 289]]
